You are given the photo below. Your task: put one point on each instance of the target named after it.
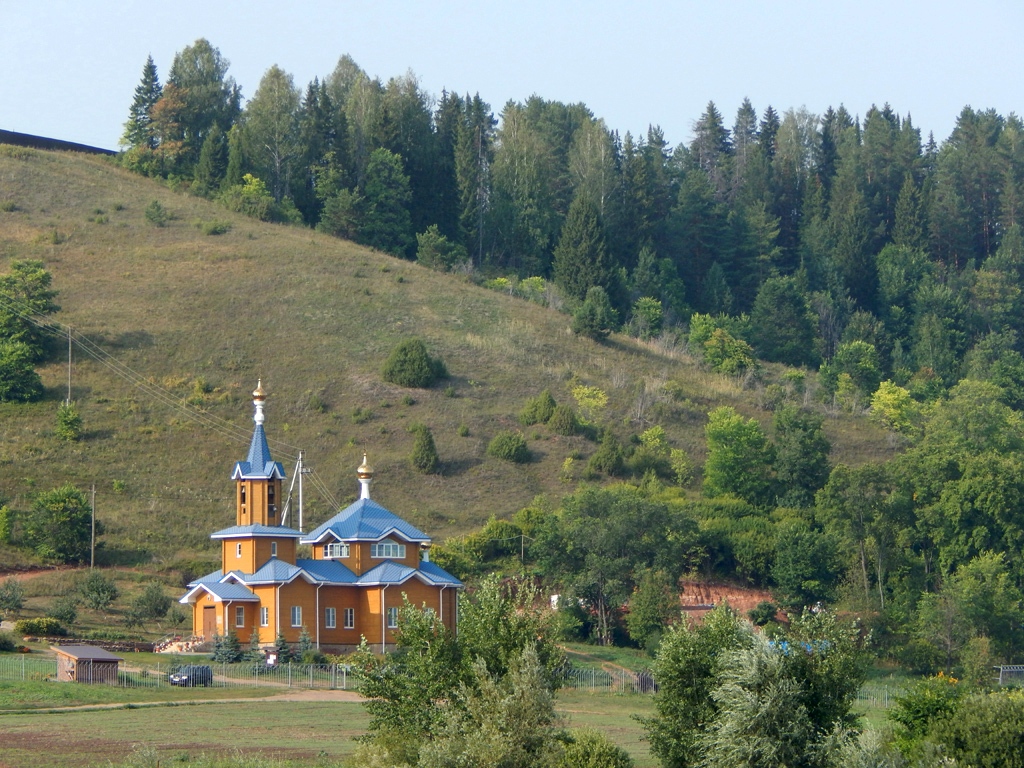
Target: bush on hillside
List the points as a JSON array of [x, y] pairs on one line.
[[538, 410], [7, 643], [424, 452], [563, 421], [510, 446], [44, 627], [410, 365]]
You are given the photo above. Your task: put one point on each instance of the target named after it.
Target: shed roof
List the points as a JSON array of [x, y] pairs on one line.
[[85, 653]]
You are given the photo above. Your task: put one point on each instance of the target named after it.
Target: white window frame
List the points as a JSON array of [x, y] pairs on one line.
[[350, 618], [264, 616], [238, 549], [331, 618], [239, 615], [296, 615], [387, 550], [273, 549], [392, 618], [337, 549]]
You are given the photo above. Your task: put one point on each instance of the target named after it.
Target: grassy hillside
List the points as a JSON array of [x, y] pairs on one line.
[[204, 316]]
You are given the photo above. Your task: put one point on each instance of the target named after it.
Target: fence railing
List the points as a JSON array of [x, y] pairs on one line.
[[24, 667], [608, 680]]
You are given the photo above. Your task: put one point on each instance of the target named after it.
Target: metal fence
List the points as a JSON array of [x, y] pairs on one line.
[[130, 675], [608, 680], [22, 667]]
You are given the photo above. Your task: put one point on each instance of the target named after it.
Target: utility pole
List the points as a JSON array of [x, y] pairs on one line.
[[69, 366], [92, 547]]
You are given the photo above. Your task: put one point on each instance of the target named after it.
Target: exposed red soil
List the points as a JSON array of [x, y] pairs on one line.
[[699, 597]]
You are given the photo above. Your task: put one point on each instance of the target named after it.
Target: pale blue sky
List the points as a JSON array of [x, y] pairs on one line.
[[68, 69]]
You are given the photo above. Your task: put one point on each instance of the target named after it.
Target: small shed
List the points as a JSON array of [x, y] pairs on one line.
[[85, 664]]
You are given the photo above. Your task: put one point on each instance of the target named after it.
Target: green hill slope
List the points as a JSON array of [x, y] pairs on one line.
[[204, 316]]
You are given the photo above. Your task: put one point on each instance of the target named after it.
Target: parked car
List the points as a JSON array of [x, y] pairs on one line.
[[192, 675]]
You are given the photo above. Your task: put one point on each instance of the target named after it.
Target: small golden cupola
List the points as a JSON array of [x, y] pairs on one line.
[[365, 475]]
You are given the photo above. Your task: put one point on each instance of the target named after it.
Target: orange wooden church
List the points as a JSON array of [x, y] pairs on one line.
[[365, 562]]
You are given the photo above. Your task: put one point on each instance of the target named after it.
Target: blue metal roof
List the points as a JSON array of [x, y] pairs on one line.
[[390, 572], [221, 591], [273, 570], [236, 531], [438, 574], [211, 578], [327, 571], [258, 465], [365, 520]]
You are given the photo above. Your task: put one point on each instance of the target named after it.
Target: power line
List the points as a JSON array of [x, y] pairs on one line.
[[165, 397]]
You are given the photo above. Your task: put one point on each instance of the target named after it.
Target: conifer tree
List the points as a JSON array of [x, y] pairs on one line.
[[137, 131], [424, 453], [581, 258]]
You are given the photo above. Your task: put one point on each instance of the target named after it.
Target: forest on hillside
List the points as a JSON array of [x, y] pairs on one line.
[[890, 263]]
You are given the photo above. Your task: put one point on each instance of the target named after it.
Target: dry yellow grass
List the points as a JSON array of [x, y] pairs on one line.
[[315, 317]]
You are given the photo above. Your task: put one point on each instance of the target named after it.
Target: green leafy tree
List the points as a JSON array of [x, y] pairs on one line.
[[64, 609], [595, 317], [859, 360], [687, 669], [727, 354], [653, 607], [985, 730], [894, 408], [507, 721], [213, 162], [801, 455], [12, 596], [806, 566], [153, 603], [26, 300], [272, 130], [98, 591], [739, 458], [59, 525], [424, 453], [19, 383], [199, 93], [69, 423]]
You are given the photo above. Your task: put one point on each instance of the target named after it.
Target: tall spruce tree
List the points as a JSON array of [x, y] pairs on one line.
[[581, 259], [138, 131]]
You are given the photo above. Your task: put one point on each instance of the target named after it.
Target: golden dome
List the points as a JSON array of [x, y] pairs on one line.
[[258, 393], [365, 470]]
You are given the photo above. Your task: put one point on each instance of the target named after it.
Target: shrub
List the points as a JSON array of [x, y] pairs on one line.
[[510, 446], [156, 214], [462, 431], [563, 421], [608, 456], [64, 609], [19, 382], [436, 251], [424, 453], [7, 643], [97, 591], [409, 365], [587, 748], [215, 227], [69, 423], [227, 649], [595, 318], [44, 627], [12, 595], [538, 410]]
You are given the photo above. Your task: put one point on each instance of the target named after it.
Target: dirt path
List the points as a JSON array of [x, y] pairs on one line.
[[291, 695]]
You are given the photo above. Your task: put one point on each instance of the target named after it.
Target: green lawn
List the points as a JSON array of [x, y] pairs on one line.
[[43, 695], [284, 730]]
